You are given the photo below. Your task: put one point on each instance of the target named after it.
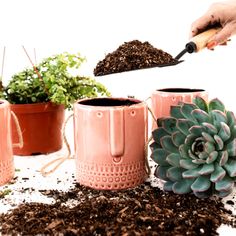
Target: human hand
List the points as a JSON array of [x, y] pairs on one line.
[[219, 14]]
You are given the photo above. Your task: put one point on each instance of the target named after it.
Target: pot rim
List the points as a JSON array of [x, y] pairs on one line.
[[176, 90], [36, 107], [136, 103]]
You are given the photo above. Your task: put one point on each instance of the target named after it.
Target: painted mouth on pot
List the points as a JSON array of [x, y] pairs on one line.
[[180, 90], [108, 102]]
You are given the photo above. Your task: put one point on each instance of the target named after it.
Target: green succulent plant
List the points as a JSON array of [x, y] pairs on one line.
[[195, 149]]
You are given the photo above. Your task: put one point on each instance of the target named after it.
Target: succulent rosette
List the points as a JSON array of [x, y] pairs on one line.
[[195, 149]]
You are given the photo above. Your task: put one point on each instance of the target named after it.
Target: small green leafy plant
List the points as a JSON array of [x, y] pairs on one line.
[[51, 81]]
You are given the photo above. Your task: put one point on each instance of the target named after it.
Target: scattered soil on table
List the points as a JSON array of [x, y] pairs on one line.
[[131, 56], [144, 210]]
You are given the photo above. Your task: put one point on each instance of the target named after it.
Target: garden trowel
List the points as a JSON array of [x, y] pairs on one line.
[[196, 44]]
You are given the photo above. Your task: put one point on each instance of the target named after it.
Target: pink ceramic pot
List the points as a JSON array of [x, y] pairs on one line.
[[163, 99], [7, 169], [110, 137]]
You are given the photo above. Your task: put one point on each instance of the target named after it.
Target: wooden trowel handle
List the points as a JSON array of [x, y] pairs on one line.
[[202, 39]]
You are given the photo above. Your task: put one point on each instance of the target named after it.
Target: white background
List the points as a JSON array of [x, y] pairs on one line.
[[97, 27]]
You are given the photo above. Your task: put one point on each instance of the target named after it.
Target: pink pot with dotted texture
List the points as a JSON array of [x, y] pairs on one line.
[[7, 169], [163, 99], [110, 137]]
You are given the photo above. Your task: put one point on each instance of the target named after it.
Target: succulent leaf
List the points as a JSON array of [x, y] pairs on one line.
[[168, 144], [175, 112], [183, 186], [187, 164], [208, 137], [209, 147], [187, 109], [205, 194], [159, 121], [174, 174], [217, 117], [219, 144], [231, 148], [159, 156], [199, 161], [201, 116], [210, 129], [192, 173], [212, 157], [178, 138], [230, 167], [201, 103], [184, 125], [157, 134], [160, 172], [183, 150], [218, 174], [192, 155], [207, 169], [231, 119], [197, 130], [223, 158], [223, 194], [201, 184], [203, 155], [173, 159], [225, 184], [168, 186], [190, 138], [154, 146], [169, 124], [224, 131], [216, 104]]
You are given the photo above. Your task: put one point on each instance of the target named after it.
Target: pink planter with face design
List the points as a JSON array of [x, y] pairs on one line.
[[6, 156], [110, 137], [163, 99]]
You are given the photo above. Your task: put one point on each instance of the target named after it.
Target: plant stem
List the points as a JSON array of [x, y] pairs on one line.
[[35, 69]]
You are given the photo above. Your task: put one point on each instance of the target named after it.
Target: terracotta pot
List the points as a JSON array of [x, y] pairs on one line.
[[41, 126], [110, 136], [163, 99], [7, 169]]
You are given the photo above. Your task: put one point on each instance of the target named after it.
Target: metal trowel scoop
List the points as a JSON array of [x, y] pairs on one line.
[[197, 43]]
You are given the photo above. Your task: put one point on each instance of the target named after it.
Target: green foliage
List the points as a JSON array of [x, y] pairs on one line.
[[51, 81], [1, 89], [195, 149]]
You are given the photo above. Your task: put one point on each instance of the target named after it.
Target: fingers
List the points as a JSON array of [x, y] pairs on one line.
[[202, 23], [221, 37]]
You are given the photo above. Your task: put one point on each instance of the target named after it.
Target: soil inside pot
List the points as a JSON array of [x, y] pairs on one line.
[[108, 102], [144, 210], [180, 90]]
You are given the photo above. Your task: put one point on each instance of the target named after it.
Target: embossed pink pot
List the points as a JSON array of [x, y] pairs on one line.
[[7, 169], [110, 136], [163, 99]]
